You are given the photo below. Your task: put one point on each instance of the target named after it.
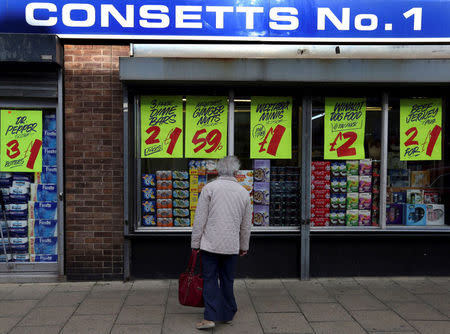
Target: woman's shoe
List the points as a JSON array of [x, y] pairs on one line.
[[229, 322], [206, 324]]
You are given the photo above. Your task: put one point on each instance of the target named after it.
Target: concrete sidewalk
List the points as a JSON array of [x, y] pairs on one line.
[[345, 306]]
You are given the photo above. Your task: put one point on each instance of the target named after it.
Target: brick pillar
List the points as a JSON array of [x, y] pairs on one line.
[[93, 137]]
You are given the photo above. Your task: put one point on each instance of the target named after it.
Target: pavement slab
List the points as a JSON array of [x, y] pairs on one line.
[[338, 327], [136, 329], [280, 303], [47, 316], [417, 311], [324, 312], [360, 302], [99, 306], [63, 298], [140, 315], [7, 323], [374, 321], [89, 324], [182, 323], [147, 297], [284, 323], [432, 327], [36, 330], [16, 308]]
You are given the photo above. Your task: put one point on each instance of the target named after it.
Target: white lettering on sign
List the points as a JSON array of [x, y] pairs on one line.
[[31, 19], [146, 13], [219, 10], [110, 10], [343, 24], [250, 15], [292, 20], [181, 16], [67, 15], [373, 19]]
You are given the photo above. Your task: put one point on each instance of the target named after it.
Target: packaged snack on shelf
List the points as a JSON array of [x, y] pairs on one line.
[[149, 220], [352, 217], [261, 193], [320, 165], [320, 194], [42, 210], [49, 157], [337, 218], [164, 185], [431, 197], [18, 229], [415, 214], [43, 245], [193, 200], [48, 175], [202, 180], [180, 184], [376, 202], [164, 222], [148, 193], [375, 218], [180, 194], [414, 196], [365, 167], [320, 175], [245, 179], [334, 201], [181, 213], [44, 258], [40, 228], [397, 197], [164, 213], [211, 167], [320, 184], [261, 215], [375, 168], [352, 201], [181, 203], [180, 175], [192, 217], [365, 201], [320, 203], [148, 180], [148, 207], [398, 177], [182, 222], [164, 203], [352, 184], [352, 167], [21, 257], [320, 212], [375, 184], [364, 218], [435, 214], [49, 139], [163, 194], [365, 184], [43, 192], [335, 169], [261, 170], [420, 178], [342, 201], [163, 175], [319, 222]]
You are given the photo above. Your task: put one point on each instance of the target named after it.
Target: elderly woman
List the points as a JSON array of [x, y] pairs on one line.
[[222, 231]]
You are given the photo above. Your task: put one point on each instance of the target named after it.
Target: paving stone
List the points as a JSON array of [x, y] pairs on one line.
[[137, 315], [440, 302], [109, 286], [31, 291], [136, 329], [282, 303], [150, 285], [7, 323], [91, 306], [360, 302], [393, 294], [182, 323], [16, 308], [63, 298], [36, 330], [337, 327], [308, 292], [145, 297], [266, 288], [324, 312], [47, 316], [86, 324], [284, 323], [108, 294], [432, 327], [340, 286], [420, 285], [375, 281], [380, 321], [252, 327], [173, 306], [417, 311], [74, 286]]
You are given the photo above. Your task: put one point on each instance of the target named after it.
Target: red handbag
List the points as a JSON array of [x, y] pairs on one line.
[[190, 284]]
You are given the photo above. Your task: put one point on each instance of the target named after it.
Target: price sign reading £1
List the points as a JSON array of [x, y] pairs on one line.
[[345, 122], [206, 126], [21, 141], [161, 127], [270, 126], [420, 129]]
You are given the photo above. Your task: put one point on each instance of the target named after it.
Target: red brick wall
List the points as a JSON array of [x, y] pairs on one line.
[[93, 137]]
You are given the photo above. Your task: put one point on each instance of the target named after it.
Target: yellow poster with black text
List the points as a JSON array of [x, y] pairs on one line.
[[420, 129], [271, 127], [21, 141], [344, 128], [161, 127], [206, 127]]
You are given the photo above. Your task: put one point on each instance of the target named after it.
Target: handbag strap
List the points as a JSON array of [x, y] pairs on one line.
[[193, 260]]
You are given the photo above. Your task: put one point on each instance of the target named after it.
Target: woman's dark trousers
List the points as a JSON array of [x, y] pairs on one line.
[[220, 304]]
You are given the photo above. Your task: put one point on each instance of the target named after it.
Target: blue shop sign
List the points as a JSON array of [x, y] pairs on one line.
[[259, 20]]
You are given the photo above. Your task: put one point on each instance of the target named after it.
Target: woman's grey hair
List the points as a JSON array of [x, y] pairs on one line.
[[228, 166]]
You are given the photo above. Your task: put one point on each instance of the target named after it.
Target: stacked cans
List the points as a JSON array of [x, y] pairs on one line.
[[149, 200], [320, 193], [180, 202], [285, 196]]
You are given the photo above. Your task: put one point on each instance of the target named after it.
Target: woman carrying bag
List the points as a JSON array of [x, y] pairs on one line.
[[221, 231]]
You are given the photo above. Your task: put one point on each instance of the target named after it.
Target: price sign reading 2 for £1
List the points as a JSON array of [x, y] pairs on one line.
[[21, 141], [270, 126], [161, 127], [206, 126], [345, 122], [420, 129]]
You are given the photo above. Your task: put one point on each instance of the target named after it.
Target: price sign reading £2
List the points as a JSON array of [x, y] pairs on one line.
[[344, 126], [270, 126], [21, 141], [161, 127], [420, 129], [206, 126]]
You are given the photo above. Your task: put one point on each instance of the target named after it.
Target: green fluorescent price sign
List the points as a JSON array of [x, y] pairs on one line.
[[345, 123], [206, 126], [420, 129], [161, 127], [21, 141], [271, 127]]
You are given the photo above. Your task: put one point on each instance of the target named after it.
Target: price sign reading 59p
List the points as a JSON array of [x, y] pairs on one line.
[[206, 126], [270, 126], [344, 126], [420, 129], [21, 141], [161, 127]]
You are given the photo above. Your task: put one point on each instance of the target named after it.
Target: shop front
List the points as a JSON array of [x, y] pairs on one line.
[[337, 114]]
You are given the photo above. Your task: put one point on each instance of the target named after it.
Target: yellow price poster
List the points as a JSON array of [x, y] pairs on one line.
[[271, 127], [21, 141], [420, 129], [161, 127], [206, 126], [344, 127]]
